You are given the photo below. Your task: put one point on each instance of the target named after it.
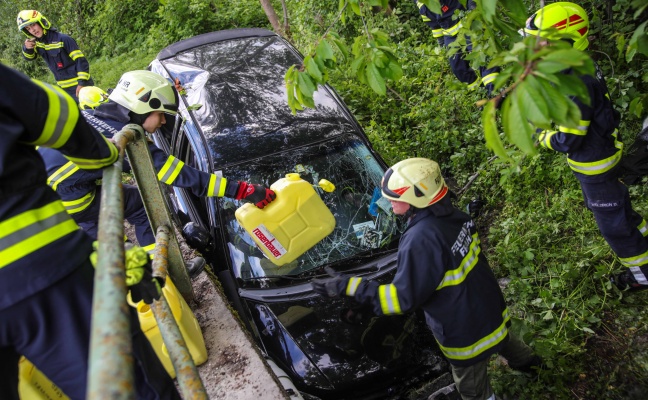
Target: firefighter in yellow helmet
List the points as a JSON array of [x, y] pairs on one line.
[[91, 96], [594, 150], [441, 270], [61, 53]]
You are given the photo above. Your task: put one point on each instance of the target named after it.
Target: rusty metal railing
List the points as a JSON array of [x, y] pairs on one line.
[[111, 361]]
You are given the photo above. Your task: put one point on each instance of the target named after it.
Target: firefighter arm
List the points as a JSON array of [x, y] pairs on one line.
[[82, 65], [52, 119], [29, 53]]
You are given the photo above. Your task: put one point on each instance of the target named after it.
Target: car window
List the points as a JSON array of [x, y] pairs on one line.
[[364, 221]]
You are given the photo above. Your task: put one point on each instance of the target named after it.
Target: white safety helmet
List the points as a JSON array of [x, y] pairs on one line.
[[143, 92], [416, 181]]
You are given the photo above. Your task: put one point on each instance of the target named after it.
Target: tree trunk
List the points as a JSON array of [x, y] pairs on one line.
[[272, 16]]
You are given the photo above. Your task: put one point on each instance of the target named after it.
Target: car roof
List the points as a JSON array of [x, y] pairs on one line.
[[238, 77], [211, 37]]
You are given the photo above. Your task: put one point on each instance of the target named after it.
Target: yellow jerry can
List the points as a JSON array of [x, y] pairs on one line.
[[186, 322], [289, 226], [34, 385]]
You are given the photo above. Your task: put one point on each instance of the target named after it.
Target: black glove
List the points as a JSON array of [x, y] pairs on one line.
[[139, 276], [257, 194], [333, 287]]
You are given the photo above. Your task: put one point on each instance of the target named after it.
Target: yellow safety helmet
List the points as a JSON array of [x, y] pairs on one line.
[[416, 181], [562, 20], [28, 17], [91, 96], [143, 92]]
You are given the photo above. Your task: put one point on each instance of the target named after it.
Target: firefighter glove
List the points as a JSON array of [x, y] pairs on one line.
[[257, 194], [139, 276], [334, 286]]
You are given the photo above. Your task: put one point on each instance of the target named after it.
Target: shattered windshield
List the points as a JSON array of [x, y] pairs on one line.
[[365, 223]]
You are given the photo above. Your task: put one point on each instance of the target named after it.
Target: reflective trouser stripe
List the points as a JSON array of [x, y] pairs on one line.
[[639, 275], [389, 299], [61, 174], [642, 228], [635, 261], [78, 205], [474, 85], [452, 31], [32, 230], [485, 343], [489, 78], [170, 170]]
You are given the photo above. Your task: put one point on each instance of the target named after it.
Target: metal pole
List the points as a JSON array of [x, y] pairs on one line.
[[191, 386], [141, 161], [110, 375]]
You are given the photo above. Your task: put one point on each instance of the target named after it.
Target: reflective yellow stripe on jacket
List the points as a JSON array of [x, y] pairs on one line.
[[454, 30], [459, 274], [217, 185], [32, 230], [600, 166], [485, 343], [389, 299], [62, 117], [170, 170]]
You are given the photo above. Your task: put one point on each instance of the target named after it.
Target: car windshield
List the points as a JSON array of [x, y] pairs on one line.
[[365, 224]]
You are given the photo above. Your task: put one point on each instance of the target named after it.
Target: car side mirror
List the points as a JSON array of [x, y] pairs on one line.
[[196, 236]]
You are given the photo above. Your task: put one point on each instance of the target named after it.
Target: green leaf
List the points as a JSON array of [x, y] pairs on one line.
[[341, 46], [355, 6], [491, 135], [306, 85], [312, 69], [550, 67], [567, 57], [488, 9], [324, 50], [393, 71], [356, 68], [375, 80], [572, 85], [531, 104], [516, 127], [556, 102], [433, 5], [516, 10]]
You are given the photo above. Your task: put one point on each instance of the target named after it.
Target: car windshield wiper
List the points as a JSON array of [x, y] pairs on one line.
[[355, 265]]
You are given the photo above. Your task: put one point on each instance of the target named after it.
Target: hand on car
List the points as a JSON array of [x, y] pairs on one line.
[[332, 287], [257, 194]]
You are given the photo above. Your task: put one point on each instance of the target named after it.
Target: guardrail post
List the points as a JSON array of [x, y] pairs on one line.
[[191, 386], [110, 374], [141, 162]]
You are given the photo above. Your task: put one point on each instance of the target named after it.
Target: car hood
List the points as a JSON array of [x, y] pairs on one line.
[[334, 348]]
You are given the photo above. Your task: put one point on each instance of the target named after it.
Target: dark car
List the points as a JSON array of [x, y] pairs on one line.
[[236, 121]]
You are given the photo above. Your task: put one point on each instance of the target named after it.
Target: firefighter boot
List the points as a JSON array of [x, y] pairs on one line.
[[626, 281], [195, 266]]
